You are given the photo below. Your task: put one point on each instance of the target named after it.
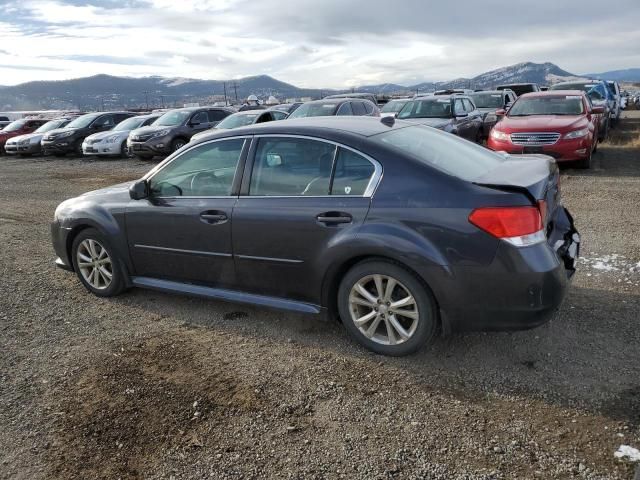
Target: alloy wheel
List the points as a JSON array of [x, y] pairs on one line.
[[383, 309], [95, 264]]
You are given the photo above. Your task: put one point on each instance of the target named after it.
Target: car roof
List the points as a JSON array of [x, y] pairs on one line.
[[250, 112], [329, 100], [355, 126], [494, 92], [350, 95]]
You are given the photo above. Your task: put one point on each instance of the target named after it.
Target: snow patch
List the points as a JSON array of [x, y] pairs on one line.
[[631, 453], [611, 263]]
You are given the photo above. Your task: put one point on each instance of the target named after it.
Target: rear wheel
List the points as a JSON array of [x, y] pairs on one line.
[[96, 265], [386, 308], [177, 144]]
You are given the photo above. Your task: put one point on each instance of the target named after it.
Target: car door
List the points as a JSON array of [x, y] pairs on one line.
[[199, 122], [182, 231], [301, 196]]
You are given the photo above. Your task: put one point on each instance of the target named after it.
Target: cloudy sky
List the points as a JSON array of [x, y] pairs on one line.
[[311, 43]]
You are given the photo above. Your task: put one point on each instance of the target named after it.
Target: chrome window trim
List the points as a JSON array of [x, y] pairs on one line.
[[372, 186]]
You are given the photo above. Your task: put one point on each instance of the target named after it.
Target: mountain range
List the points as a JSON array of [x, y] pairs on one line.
[[100, 92]]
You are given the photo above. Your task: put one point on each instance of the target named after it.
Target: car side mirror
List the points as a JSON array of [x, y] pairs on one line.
[[501, 112], [597, 110], [139, 190]]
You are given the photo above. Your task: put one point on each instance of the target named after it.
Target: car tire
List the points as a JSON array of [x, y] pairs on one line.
[[77, 148], [585, 162], [177, 144], [94, 259], [417, 324], [124, 151]]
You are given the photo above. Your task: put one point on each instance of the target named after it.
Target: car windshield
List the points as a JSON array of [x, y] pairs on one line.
[[487, 100], [448, 153], [556, 105], [128, 124], [314, 110], [393, 106], [428, 108], [171, 119], [52, 125], [596, 91], [237, 120], [15, 125], [83, 121]]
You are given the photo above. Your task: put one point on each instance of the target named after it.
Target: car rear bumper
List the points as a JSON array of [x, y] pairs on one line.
[[519, 290]]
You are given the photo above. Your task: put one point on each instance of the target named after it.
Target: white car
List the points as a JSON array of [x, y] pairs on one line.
[[393, 106], [114, 141]]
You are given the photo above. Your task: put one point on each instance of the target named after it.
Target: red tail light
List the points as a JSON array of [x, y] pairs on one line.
[[520, 226]]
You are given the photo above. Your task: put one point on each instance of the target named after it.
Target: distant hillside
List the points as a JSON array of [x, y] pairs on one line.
[[109, 92], [627, 75]]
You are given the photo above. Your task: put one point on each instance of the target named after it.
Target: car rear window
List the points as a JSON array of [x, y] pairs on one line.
[[448, 153]]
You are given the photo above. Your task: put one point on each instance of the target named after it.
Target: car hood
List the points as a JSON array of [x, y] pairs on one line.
[[107, 134], [113, 190], [430, 122], [57, 131], [558, 123], [150, 129], [19, 137]]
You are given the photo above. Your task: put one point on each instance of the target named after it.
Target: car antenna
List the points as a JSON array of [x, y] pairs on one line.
[[388, 121]]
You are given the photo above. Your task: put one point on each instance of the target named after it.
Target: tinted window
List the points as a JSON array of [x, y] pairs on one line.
[[279, 115], [448, 153], [105, 121], [265, 117], [468, 105], [358, 108], [352, 175], [119, 117], [217, 115], [368, 107], [205, 170], [200, 117], [458, 106], [345, 109], [291, 166], [149, 121]]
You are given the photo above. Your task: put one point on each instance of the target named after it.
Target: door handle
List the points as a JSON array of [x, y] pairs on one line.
[[334, 218], [213, 217]]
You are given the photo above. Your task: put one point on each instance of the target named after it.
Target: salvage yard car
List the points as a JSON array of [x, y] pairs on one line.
[[173, 130], [488, 103], [114, 141], [562, 124], [244, 118], [69, 139], [454, 114], [19, 127], [336, 106], [401, 229]]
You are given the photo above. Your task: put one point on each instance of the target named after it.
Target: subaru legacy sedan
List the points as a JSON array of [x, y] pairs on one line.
[[399, 229]]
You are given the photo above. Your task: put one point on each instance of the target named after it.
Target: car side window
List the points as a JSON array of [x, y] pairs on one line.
[[469, 107], [352, 174], [278, 115], [148, 121], [368, 106], [358, 108], [345, 109], [458, 106], [106, 121], [200, 117], [217, 115], [203, 171], [291, 167], [121, 116]]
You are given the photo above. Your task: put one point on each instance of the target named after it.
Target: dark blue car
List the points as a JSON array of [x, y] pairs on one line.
[[400, 229]]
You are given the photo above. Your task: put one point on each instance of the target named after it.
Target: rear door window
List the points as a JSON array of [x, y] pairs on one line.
[[217, 115], [291, 167], [352, 173], [358, 108], [345, 109], [368, 106], [200, 117]]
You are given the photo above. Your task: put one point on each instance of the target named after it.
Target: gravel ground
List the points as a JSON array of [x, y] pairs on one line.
[[148, 385]]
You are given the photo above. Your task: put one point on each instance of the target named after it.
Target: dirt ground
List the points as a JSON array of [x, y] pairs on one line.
[[149, 385]]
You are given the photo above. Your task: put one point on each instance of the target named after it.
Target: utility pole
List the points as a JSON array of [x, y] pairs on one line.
[[146, 96], [235, 88], [162, 98], [224, 85]]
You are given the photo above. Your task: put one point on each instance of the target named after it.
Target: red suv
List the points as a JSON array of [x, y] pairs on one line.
[[559, 123], [19, 127]]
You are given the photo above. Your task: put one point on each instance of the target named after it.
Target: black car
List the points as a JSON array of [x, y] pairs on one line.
[[287, 107], [455, 114], [488, 102], [173, 130], [336, 106], [69, 139], [362, 96], [402, 229], [4, 121], [520, 88]]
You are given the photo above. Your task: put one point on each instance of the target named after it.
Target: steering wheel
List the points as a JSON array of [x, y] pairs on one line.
[[204, 180], [169, 185]]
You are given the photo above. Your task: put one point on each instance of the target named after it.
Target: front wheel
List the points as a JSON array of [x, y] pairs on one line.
[[177, 144], [96, 265], [386, 308]]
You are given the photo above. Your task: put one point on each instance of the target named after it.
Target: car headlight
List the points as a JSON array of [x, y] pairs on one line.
[[583, 132], [499, 135], [111, 139], [161, 133]]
